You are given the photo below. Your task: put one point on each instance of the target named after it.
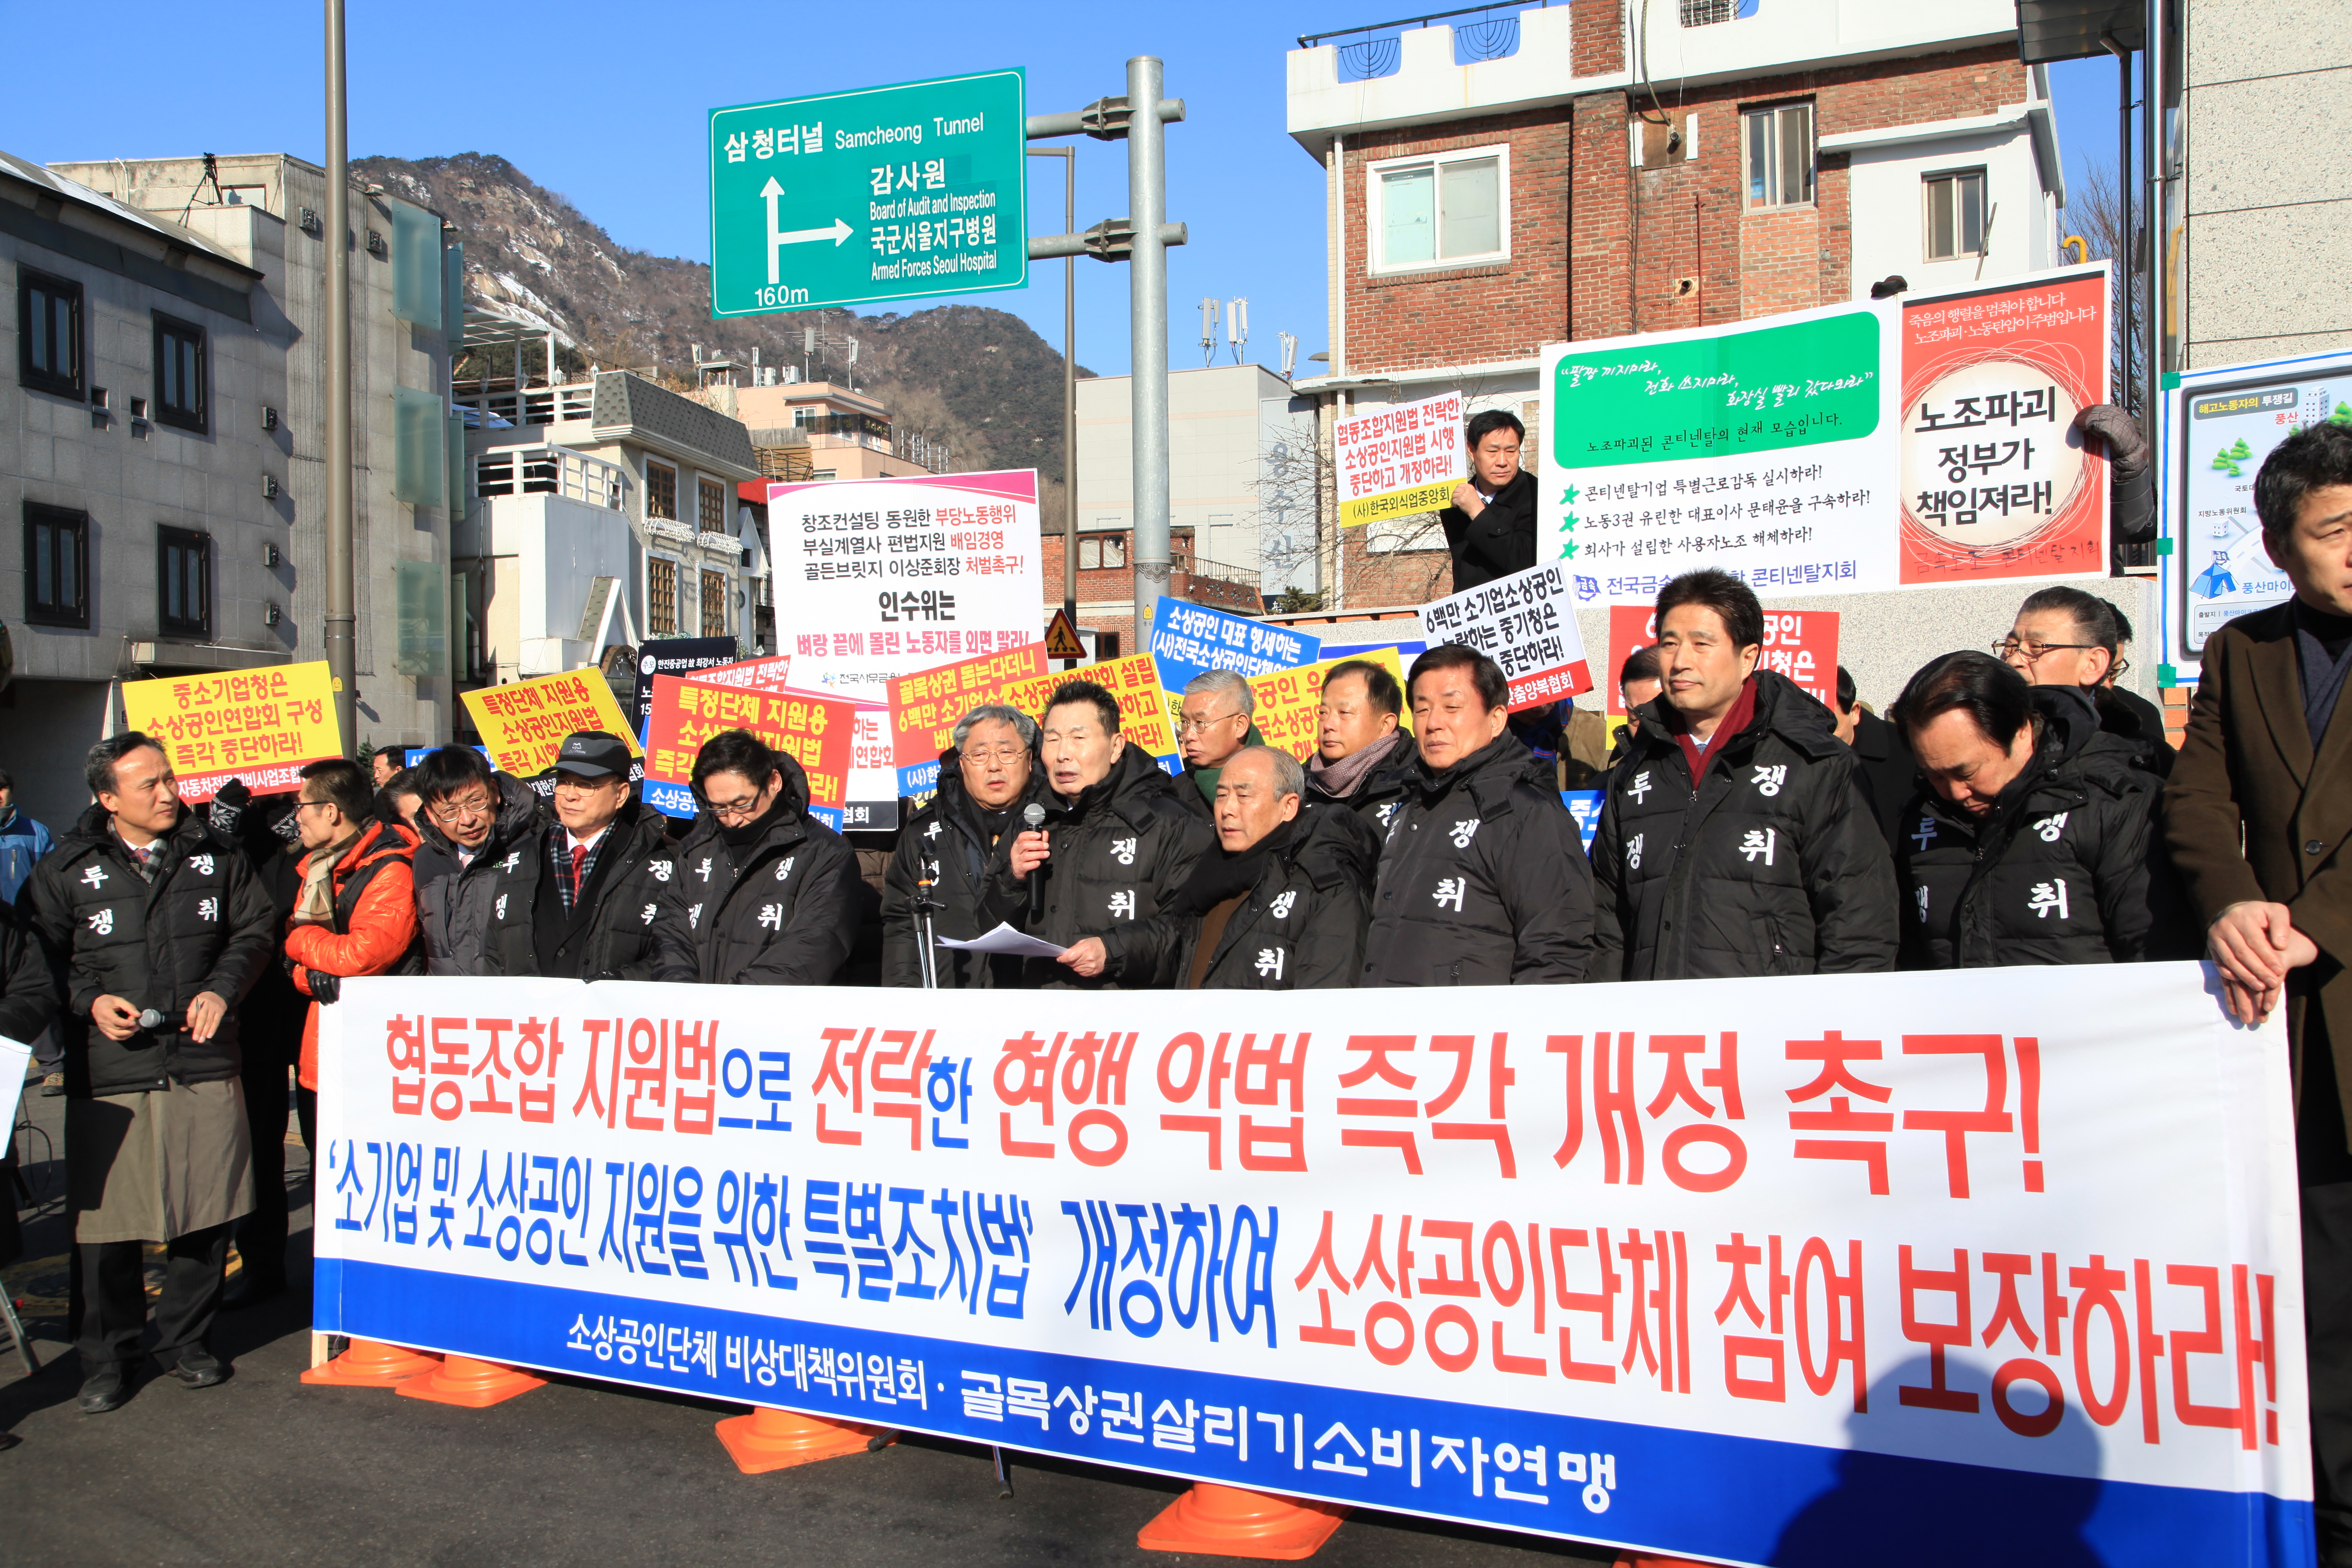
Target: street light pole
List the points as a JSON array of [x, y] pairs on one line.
[[1069, 156], [1147, 196], [342, 597]]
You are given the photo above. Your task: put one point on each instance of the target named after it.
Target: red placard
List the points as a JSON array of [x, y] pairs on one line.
[[1803, 646], [815, 731], [1630, 626], [925, 706]]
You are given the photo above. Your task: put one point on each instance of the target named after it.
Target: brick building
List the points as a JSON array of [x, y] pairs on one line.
[[1598, 169]]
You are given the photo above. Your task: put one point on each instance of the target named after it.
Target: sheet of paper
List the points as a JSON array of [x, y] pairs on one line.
[[1005, 939], [15, 1059]]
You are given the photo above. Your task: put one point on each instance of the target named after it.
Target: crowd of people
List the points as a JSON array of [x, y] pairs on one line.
[[2014, 806]]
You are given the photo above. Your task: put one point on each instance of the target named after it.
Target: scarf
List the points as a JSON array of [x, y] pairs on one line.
[[1221, 876], [1206, 778], [1742, 714], [740, 839], [1339, 780], [316, 904]]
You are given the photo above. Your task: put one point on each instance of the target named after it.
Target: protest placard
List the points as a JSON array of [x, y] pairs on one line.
[[1802, 645], [1397, 459], [257, 726], [1134, 680], [1289, 701], [676, 656], [816, 731], [1526, 623], [1630, 626], [926, 705], [1752, 1270], [522, 724]]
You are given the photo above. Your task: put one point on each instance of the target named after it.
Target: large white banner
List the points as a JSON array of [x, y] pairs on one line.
[[2002, 1265]]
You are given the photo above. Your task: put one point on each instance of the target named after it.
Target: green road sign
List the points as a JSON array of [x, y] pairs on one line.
[[848, 198]]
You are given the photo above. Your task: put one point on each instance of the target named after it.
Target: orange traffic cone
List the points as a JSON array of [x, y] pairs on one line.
[[770, 1439], [1230, 1522], [476, 1384], [372, 1363]]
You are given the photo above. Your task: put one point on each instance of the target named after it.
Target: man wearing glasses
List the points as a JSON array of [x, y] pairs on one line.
[[2063, 636], [584, 908], [960, 843], [477, 829], [1215, 725], [762, 893]]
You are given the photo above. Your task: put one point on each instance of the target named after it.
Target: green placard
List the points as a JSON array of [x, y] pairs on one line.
[[850, 198], [1720, 397]]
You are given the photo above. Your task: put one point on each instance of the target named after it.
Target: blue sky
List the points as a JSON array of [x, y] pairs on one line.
[[606, 102]]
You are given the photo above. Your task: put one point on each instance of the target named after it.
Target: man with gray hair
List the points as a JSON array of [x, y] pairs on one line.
[[958, 844], [1216, 724], [1284, 903]]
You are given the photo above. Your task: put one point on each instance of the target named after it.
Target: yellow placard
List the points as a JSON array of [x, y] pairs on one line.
[[1288, 700], [1134, 680], [1398, 503], [256, 726], [523, 724]]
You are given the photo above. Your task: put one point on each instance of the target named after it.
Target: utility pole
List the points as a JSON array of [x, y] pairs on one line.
[[1069, 157], [342, 594], [1141, 239]]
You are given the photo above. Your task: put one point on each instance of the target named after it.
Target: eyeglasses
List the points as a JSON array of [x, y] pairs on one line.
[[301, 805], [1004, 756], [735, 810], [2029, 652], [1196, 726], [460, 810]]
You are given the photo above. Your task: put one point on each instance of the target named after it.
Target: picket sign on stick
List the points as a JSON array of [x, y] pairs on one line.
[[1726, 1269]]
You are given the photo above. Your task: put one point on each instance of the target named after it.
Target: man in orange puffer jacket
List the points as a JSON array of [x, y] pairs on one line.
[[356, 913]]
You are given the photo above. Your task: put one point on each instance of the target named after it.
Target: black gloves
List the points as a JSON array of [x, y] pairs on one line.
[[327, 988], [226, 813]]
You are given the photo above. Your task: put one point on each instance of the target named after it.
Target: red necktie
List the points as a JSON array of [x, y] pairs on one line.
[[579, 858]]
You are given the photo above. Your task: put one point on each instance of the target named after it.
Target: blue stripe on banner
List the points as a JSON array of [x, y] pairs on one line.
[[1741, 1499]]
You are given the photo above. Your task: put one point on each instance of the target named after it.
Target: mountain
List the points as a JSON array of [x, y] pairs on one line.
[[979, 379]]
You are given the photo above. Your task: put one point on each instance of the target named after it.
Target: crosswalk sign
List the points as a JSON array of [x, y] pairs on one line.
[[1062, 637]]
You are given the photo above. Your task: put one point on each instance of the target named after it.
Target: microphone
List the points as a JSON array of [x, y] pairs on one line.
[[1035, 815], [151, 1019]]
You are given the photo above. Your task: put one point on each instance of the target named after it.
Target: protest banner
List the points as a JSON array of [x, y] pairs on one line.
[[1630, 626], [1524, 622], [878, 578], [1996, 480], [1400, 459], [1742, 1269], [676, 656], [1766, 449], [1134, 680], [522, 723], [257, 726], [926, 705], [816, 731], [1190, 641], [1802, 645], [1290, 702]]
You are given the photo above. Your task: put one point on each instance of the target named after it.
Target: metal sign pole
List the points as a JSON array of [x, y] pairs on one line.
[[340, 633], [1146, 194]]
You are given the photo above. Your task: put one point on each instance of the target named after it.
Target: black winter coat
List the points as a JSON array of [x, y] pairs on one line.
[[1378, 796], [1499, 541], [607, 934], [454, 904], [1483, 879], [967, 871], [1300, 927], [202, 923], [781, 910], [1889, 772], [1772, 865], [2067, 868], [1119, 852], [28, 1002]]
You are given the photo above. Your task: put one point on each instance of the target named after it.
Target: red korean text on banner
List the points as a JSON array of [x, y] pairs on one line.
[[815, 731], [926, 705], [1802, 645]]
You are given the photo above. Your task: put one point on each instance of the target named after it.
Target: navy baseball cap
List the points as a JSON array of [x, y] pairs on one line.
[[592, 755]]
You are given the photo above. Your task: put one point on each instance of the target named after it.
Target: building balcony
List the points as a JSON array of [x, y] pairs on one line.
[[551, 472], [1424, 70]]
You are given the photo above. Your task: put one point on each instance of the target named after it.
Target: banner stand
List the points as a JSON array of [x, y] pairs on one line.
[[470, 1383], [370, 1363], [1233, 1522], [771, 1439]]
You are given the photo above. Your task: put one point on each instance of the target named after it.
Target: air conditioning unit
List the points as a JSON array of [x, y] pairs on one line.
[[269, 487]]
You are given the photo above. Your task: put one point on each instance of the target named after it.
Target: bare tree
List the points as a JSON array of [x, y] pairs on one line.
[[2096, 213], [1298, 526]]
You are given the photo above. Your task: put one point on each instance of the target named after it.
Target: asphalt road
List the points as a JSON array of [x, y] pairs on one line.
[[263, 1469]]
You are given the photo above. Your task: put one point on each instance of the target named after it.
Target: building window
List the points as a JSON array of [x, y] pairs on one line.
[[661, 491], [824, 473], [714, 603], [56, 565], [1450, 210], [184, 582], [48, 333], [713, 505], [661, 595], [1780, 155], [1098, 551], [1955, 213], [180, 392]]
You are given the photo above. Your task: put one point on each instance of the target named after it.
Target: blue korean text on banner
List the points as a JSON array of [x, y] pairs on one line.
[[1584, 804], [919, 782], [1407, 651], [1189, 640], [677, 800]]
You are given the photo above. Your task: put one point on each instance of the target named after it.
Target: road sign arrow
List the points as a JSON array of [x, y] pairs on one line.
[[772, 193]]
